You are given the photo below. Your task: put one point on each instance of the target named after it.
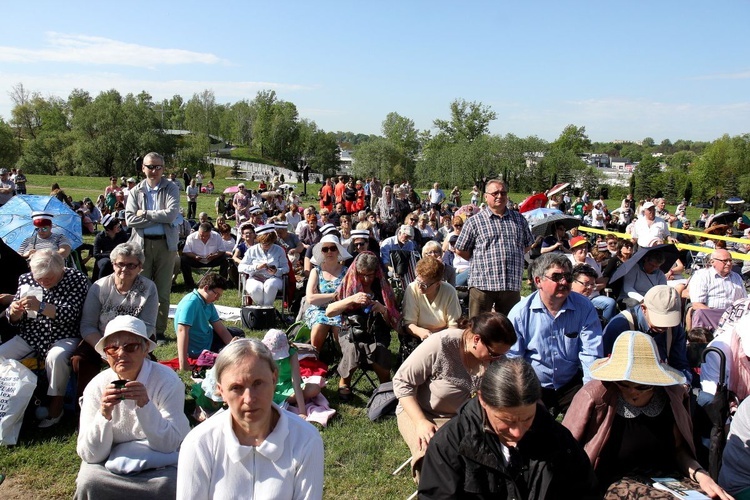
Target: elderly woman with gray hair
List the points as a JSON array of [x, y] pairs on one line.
[[132, 420], [125, 291], [505, 444], [47, 308], [254, 449]]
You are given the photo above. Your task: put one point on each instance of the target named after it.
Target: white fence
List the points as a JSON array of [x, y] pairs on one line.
[[250, 169]]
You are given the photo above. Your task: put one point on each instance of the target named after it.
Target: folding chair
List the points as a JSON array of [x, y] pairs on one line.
[[246, 300]]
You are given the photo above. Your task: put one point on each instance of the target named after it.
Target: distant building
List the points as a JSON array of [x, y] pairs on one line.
[[345, 160], [619, 163]]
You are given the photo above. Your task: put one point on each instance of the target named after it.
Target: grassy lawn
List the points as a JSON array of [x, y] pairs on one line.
[[359, 457]]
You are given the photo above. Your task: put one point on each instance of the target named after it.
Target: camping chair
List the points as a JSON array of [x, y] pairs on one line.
[[404, 266]]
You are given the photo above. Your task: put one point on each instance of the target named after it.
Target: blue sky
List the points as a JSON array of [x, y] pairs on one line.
[[624, 70]]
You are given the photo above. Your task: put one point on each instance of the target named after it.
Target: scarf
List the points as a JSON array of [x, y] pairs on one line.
[[351, 285]]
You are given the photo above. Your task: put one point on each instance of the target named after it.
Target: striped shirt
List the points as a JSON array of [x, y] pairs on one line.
[[54, 242], [497, 246], [708, 287]]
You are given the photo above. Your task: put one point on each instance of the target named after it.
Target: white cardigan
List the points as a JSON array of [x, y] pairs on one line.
[[287, 465], [161, 421]]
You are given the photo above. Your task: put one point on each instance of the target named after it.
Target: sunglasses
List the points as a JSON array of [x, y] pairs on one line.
[[558, 277], [497, 194], [360, 244], [45, 228], [111, 350], [129, 266], [639, 388], [329, 249], [493, 354], [458, 225], [424, 286], [414, 220], [153, 167], [585, 285]]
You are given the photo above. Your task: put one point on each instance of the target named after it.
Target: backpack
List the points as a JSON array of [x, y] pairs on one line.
[[383, 402]]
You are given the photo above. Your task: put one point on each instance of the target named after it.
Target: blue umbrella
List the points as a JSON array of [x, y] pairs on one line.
[[16, 224]]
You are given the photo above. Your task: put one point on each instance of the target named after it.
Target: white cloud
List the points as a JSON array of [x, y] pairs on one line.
[[82, 49]]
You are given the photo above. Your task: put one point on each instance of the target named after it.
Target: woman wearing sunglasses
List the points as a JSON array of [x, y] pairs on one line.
[[633, 421], [442, 374], [132, 420], [430, 304], [325, 278]]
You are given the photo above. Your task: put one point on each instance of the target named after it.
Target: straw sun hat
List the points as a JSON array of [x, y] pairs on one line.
[[635, 358]]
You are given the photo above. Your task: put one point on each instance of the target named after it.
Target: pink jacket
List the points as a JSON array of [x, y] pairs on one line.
[[593, 409]]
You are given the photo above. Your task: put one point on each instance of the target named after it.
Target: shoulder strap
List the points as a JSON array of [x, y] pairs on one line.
[[628, 315]]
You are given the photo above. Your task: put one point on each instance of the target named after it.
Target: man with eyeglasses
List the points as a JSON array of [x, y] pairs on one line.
[[494, 241], [716, 287], [153, 206], [558, 332], [197, 323]]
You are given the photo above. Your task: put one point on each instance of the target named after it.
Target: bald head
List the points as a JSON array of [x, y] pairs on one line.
[[721, 260]]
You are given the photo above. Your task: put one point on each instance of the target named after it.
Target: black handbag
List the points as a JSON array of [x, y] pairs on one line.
[[361, 327]]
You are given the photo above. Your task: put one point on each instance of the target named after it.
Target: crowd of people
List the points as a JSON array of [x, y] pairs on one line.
[[602, 341]]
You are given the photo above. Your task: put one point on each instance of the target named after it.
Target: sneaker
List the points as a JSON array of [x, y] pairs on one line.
[[49, 422]]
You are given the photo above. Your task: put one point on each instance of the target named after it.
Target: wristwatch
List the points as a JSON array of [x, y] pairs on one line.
[[42, 306]]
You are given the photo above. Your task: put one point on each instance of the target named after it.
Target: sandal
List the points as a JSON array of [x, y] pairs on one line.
[[345, 393]]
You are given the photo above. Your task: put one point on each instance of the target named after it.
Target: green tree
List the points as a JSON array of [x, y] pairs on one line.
[[573, 139], [469, 120], [376, 158], [9, 150], [646, 178]]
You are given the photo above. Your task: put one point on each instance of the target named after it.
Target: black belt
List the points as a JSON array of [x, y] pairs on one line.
[[155, 236]]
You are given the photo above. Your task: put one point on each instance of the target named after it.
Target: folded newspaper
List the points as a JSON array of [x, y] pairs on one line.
[[677, 488]]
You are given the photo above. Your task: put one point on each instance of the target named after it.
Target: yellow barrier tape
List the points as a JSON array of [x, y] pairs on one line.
[[709, 236], [681, 246]]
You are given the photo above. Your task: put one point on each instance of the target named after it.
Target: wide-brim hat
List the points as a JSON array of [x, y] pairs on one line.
[[277, 343], [330, 238], [635, 358], [125, 323]]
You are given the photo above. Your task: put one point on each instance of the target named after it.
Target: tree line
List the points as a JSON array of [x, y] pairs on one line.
[[101, 136]]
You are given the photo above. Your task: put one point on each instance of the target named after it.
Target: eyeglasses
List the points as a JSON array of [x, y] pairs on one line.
[[497, 194], [723, 261], [368, 276], [639, 388], [609, 243], [123, 265], [436, 253], [585, 285], [558, 277], [424, 286], [329, 249], [153, 167], [112, 350]]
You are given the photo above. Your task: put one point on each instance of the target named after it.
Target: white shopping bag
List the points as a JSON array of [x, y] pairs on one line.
[[17, 384]]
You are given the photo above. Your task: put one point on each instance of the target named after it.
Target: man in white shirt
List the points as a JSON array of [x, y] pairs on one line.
[[203, 248], [716, 287], [597, 215], [649, 227], [436, 196], [7, 187]]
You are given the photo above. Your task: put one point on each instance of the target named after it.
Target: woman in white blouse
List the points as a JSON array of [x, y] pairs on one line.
[[265, 263], [253, 450]]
